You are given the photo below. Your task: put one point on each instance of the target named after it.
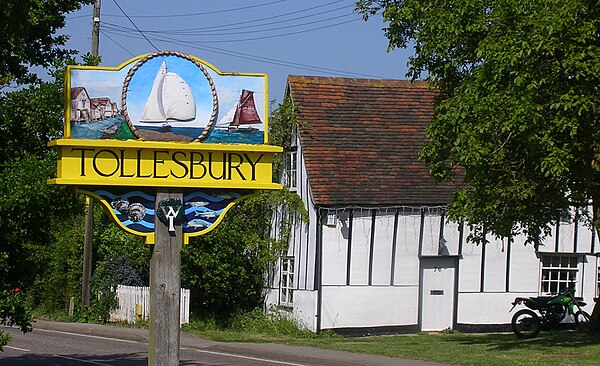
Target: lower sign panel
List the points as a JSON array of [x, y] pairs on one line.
[[134, 210]]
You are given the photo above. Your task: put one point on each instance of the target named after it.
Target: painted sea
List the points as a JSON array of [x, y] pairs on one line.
[[107, 127], [218, 136], [95, 129]]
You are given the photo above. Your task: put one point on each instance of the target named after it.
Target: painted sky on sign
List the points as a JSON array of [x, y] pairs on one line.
[[109, 84]]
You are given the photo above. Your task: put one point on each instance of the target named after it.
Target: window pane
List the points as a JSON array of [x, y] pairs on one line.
[[287, 281], [558, 273]]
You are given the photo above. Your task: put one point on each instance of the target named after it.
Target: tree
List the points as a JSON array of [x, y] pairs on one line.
[[28, 39], [13, 311], [29, 118], [516, 116], [225, 269]]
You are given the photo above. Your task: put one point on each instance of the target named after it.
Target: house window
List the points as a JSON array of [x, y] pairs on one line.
[[558, 273], [291, 167], [287, 281]]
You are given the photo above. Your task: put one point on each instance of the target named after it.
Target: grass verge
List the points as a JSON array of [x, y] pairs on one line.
[[548, 349]]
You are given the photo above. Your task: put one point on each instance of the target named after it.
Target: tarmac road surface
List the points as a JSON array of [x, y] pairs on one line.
[[70, 344]]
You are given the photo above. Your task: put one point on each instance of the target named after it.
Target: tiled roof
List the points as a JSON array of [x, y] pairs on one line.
[[76, 90], [361, 139]]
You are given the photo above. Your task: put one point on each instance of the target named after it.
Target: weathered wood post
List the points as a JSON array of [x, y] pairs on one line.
[[165, 288]]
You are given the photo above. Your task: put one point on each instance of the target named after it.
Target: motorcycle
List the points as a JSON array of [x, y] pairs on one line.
[[552, 312]]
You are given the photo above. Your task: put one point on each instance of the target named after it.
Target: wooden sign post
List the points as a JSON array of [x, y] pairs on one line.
[[165, 289], [168, 144]]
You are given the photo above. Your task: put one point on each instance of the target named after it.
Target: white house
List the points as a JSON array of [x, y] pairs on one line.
[[105, 107], [378, 255], [80, 105]]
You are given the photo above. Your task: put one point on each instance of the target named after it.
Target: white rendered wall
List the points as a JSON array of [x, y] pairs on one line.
[[584, 239], [487, 308], [305, 305], [382, 249], [406, 270], [470, 268], [431, 233], [271, 297], [335, 250], [361, 241], [524, 267], [589, 288], [369, 306], [305, 253], [495, 265]]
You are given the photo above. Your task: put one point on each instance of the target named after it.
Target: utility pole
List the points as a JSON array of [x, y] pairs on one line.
[[96, 28], [89, 215]]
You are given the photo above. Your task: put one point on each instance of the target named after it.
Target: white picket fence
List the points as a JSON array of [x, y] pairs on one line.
[[129, 298]]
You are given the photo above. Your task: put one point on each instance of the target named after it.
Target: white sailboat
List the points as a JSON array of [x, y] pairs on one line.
[[170, 99]]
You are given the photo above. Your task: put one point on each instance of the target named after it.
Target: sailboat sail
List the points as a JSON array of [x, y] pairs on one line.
[[224, 122], [241, 115], [170, 99]]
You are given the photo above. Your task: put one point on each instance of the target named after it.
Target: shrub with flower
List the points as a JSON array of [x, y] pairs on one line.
[[14, 311]]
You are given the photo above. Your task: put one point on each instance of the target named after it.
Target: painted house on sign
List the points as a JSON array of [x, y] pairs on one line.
[[104, 107], [378, 254], [81, 107]]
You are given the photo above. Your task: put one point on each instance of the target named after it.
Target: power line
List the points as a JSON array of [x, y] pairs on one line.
[[207, 34], [77, 17], [136, 27], [258, 58], [218, 11], [117, 43], [276, 35], [268, 20]]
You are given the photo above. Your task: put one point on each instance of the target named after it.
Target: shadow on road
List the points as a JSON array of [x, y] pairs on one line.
[[128, 359]]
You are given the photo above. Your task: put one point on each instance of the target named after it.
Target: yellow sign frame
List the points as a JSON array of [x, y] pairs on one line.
[[164, 164]]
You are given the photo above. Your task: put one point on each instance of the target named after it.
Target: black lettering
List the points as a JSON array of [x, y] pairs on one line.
[[210, 163], [181, 164], [123, 165], [139, 166], [114, 155], [157, 162], [236, 167], [82, 173], [194, 162], [253, 164]]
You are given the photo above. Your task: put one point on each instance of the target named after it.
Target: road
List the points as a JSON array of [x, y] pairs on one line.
[[75, 344]]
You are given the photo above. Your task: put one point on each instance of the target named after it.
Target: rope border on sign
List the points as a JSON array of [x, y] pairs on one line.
[[134, 69]]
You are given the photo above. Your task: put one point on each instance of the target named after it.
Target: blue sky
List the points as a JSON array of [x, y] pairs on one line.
[[275, 37]]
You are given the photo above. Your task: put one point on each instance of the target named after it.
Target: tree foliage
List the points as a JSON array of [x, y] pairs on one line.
[[29, 118], [13, 311], [517, 110], [225, 269], [28, 29], [282, 124]]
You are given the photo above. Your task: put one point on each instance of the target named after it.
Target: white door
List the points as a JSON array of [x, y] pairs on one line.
[[437, 293]]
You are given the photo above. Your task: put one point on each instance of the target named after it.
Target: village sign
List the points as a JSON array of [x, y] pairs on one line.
[[165, 120]]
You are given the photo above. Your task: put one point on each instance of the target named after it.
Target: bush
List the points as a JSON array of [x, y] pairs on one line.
[[274, 323], [14, 310]]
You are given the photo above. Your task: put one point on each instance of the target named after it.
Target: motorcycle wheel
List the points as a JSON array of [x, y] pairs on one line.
[[526, 324], [581, 317]]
